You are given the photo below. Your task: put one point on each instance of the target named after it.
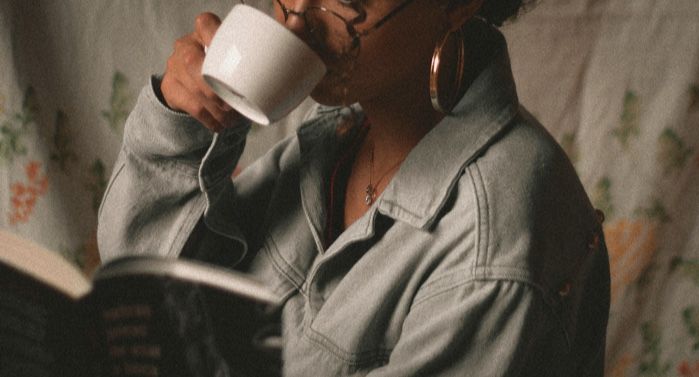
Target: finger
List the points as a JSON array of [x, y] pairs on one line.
[[189, 63], [186, 66], [204, 117], [199, 90], [176, 68], [206, 91], [168, 89], [205, 27], [196, 79], [190, 103], [186, 101]]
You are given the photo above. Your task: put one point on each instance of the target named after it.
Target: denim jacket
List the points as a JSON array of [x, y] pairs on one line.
[[482, 257]]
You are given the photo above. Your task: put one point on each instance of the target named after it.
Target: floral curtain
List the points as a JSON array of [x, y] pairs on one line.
[[616, 82], [70, 72]]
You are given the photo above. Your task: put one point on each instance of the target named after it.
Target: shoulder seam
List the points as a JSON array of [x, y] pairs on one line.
[[473, 279]]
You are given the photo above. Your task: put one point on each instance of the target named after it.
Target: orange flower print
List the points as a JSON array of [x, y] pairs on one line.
[[620, 366], [685, 369], [25, 194], [631, 245]]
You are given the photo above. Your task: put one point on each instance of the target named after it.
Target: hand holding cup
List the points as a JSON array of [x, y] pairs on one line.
[[183, 87]]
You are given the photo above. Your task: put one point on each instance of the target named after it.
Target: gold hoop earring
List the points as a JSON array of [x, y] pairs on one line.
[[441, 102]]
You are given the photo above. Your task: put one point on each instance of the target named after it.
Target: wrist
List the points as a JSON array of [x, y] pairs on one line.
[[157, 84]]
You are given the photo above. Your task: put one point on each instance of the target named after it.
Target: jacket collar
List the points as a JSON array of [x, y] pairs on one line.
[[422, 185]]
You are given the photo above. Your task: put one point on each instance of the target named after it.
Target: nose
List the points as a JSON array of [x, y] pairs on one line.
[[295, 21]]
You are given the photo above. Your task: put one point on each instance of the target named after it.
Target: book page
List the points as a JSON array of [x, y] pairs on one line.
[[195, 272], [42, 331], [43, 265]]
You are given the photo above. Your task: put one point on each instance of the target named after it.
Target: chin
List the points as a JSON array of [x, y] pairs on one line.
[[328, 94], [326, 99], [335, 89]]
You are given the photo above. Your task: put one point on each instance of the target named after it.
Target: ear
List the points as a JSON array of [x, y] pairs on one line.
[[458, 12]]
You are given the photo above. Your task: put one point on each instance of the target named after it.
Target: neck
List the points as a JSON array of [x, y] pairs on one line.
[[399, 121]]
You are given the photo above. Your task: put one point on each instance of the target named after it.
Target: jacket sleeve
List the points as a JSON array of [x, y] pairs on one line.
[[476, 328], [167, 170]]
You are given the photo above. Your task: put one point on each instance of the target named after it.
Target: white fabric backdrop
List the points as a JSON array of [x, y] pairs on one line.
[[616, 82]]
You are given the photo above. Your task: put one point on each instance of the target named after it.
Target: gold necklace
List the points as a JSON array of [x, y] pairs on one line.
[[370, 191]]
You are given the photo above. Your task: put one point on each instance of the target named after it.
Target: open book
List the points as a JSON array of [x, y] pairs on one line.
[[139, 316]]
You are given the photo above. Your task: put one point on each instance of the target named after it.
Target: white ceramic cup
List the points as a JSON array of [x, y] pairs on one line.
[[259, 67]]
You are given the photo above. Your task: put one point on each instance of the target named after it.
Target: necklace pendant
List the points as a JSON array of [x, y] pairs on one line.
[[370, 195]]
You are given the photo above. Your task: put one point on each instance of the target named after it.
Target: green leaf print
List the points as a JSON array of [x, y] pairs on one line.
[[62, 152], [97, 182], [569, 145], [646, 277], [656, 212], [672, 151], [30, 108], [628, 125], [602, 197], [11, 144], [690, 317], [689, 267], [14, 128], [651, 364], [120, 102]]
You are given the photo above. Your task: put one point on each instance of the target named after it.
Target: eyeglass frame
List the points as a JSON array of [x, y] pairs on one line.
[[349, 24]]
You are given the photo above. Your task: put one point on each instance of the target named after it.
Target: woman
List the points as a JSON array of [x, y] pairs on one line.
[[433, 229]]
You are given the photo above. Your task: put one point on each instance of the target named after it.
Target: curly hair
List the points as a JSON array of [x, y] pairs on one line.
[[497, 12]]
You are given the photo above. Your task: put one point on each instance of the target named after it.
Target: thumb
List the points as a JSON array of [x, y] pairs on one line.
[[205, 27]]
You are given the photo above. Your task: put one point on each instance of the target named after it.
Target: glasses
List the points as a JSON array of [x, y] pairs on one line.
[[333, 33]]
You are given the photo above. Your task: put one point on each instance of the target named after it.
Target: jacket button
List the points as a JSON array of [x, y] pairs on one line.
[[565, 289], [600, 215], [594, 244]]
